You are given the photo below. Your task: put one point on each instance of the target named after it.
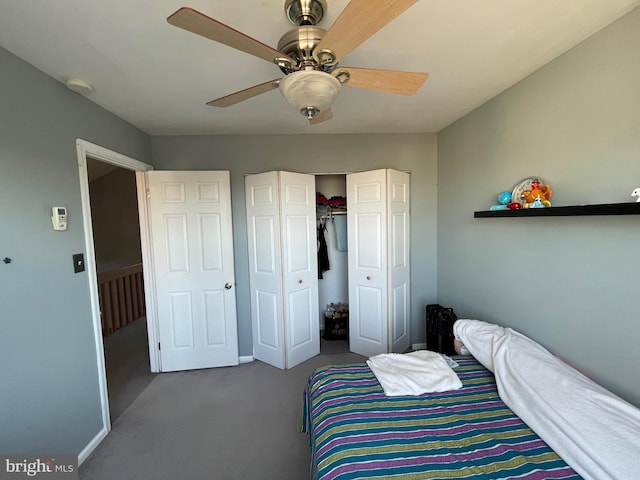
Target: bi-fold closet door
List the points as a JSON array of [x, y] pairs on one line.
[[283, 272], [283, 264], [378, 223]]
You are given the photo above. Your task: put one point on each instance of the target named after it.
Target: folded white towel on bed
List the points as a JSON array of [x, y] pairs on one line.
[[593, 430], [413, 373]]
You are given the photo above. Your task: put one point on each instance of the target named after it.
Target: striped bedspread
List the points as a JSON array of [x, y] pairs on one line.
[[357, 432]]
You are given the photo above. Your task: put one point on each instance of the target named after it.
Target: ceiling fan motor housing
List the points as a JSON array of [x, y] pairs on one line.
[[305, 12], [299, 44]]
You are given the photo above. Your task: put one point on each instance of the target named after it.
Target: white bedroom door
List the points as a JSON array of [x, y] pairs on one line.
[[378, 235], [193, 271], [283, 267]]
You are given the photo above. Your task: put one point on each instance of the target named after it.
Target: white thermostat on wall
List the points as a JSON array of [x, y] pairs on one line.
[[59, 218]]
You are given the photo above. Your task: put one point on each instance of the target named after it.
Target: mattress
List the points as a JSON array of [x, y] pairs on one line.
[[356, 432]]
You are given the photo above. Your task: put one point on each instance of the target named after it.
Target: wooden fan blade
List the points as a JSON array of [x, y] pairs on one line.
[[358, 21], [198, 23], [390, 81], [245, 94], [322, 117]]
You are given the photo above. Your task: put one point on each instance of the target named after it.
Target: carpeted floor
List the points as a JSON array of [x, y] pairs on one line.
[[223, 423], [126, 353]]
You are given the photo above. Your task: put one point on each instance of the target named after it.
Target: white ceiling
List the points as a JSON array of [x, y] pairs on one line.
[[159, 77]]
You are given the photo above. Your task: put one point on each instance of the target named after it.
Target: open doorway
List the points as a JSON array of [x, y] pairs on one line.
[[86, 150], [118, 257], [333, 281]]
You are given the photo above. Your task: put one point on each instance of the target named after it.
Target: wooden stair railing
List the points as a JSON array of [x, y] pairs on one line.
[[121, 294]]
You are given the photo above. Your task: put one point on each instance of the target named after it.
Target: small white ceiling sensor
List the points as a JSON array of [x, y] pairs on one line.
[[79, 86]]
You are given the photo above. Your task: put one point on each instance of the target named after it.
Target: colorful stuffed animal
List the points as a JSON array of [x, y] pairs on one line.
[[542, 191], [537, 203]]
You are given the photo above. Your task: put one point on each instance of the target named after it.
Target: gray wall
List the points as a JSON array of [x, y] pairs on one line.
[[570, 283], [115, 221], [49, 398], [242, 155]]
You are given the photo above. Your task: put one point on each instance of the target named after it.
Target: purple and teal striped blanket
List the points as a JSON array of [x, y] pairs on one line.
[[356, 432]]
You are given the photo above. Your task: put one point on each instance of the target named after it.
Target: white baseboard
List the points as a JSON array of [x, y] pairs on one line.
[[92, 445], [246, 359], [419, 346]]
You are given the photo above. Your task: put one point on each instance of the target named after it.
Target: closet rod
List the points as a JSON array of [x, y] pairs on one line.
[[332, 215]]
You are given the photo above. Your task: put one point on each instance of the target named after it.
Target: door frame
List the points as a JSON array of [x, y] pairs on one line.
[[86, 149]]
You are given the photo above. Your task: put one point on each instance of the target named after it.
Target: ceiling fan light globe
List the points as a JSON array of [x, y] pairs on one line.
[[310, 90]]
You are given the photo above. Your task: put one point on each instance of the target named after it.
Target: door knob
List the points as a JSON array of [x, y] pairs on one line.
[[300, 281], [228, 286], [368, 277]]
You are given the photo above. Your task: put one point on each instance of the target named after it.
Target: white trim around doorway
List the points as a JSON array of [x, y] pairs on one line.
[[86, 149]]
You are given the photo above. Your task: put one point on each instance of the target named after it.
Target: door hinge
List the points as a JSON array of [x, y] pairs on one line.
[[148, 193], [158, 345]]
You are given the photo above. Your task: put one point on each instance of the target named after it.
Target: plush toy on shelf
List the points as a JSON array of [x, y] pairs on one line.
[[504, 199], [537, 203], [530, 193], [636, 193], [538, 194]]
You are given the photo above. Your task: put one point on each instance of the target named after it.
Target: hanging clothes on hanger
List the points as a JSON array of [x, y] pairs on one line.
[[323, 252]]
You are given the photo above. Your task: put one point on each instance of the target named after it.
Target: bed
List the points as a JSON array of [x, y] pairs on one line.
[[507, 388], [355, 431]]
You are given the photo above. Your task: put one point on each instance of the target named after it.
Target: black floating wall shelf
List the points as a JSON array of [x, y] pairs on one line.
[[568, 211]]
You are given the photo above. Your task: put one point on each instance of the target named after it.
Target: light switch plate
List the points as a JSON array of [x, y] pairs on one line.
[[78, 263]]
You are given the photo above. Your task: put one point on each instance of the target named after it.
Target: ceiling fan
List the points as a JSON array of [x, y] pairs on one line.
[[308, 55]]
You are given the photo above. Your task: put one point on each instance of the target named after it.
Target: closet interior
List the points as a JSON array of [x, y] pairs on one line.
[[333, 280]]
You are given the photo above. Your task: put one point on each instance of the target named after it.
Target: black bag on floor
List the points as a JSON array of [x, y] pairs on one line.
[[440, 322]]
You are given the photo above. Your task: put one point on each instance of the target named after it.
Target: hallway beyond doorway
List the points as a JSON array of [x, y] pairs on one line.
[[127, 362]]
